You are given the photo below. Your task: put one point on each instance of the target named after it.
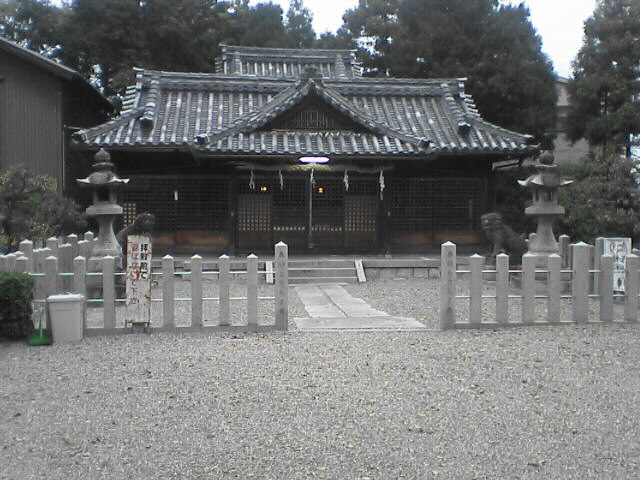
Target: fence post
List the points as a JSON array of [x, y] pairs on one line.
[[26, 247], [564, 242], [84, 249], [528, 287], [53, 244], [598, 251], [22, 264], [72, 240], [606, 288], [196, 291], [581, 264], [631, 288], [554, 285], [252, 289], [11, 262], [223, 290], [475, 289], [502, 288], [89, 236], [168, 292], [4, 263], [448, 262], [282, 286], [51, 276], [65, 255], [108, 292], [50, 284], [80, 276]]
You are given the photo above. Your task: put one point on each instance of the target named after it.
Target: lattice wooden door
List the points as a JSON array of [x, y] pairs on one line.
[[290, 212], [361, 207], [326, 214], [254, 213]]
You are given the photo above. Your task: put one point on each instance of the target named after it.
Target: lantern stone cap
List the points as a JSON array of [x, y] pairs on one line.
[[103, 173], [549, 179]]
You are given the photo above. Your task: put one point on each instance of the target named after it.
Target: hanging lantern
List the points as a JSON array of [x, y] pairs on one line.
[[381, 182], [252, 181], [345, 180], [281, 179]]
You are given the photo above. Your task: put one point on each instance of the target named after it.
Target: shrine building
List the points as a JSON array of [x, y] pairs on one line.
[[299, 146]]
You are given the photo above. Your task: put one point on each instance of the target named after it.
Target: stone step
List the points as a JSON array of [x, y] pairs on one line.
[[321, 263], [307, 280], [322, 271]]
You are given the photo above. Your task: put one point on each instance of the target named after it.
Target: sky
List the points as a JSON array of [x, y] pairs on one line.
[[558, 22]]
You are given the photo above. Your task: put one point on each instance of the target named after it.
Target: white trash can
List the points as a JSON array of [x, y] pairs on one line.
[[66, 313]]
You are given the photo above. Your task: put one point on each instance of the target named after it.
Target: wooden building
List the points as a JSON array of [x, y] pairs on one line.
[[40, 102], [296, 145]]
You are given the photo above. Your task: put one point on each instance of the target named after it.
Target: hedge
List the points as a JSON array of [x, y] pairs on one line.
[[16, 294]]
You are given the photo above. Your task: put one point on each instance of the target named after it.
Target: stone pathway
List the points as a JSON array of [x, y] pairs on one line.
[[331, 307]]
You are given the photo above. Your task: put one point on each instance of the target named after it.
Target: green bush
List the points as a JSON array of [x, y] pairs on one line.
[[16, 294], [30, 207]]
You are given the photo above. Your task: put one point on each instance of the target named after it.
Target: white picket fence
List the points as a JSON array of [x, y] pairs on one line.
[[486, 298], [61, 266]]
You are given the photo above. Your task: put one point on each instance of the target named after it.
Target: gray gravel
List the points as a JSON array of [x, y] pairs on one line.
[[556, 403]]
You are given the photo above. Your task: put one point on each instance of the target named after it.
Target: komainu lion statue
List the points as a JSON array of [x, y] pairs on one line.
[[142, 225], [503, 238]]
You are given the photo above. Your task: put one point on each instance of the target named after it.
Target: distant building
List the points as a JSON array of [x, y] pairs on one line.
[[297, 146], [564, 151], [41, 101]]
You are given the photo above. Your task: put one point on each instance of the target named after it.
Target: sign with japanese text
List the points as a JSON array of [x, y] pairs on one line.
[[619, 248], [138, 300]]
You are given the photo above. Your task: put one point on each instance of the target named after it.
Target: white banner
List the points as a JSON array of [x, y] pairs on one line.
[[619, 248]]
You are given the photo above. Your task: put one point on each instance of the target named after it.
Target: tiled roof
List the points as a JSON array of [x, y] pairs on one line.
[[229, 113], [286, 62]]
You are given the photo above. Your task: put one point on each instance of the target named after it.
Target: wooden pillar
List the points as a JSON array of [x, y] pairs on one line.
[[224, 282], [384, 237], [581, 264], [252, 290], [233, 212], [502, 288], [475, 289], [554, 286], [196, 291], [168, 292], [282, 286], [448, 263]]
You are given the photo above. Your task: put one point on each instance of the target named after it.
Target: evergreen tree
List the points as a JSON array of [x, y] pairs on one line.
[[299, 28], [605, 91], [494, 45], [32, 24], [263, 26], [603, 200]]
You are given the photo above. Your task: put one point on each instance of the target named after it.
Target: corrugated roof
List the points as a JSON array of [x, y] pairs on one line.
[[229, 113]]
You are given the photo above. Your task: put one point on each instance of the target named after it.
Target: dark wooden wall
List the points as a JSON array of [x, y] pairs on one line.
[[31, 125]]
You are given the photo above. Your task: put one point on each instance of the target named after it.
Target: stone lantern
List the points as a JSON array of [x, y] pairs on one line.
[[104, 184], [544, 185]]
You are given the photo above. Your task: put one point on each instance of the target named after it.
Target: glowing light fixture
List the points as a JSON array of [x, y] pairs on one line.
[[320, 189], [314, 159], [264, 188]]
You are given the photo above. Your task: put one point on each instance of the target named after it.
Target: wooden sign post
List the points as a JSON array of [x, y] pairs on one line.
[[138, 300]]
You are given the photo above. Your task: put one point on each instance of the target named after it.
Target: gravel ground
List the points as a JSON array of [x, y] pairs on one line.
[[543, 402]]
